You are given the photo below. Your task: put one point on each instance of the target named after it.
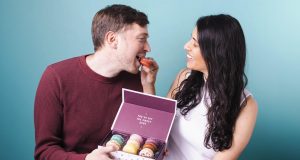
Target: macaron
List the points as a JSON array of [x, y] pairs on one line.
[[146, 62], [151, 146], [146, 152], [118, 138], [114, 144], [136, 137], [130, 148], [151, 140], [134, 142]]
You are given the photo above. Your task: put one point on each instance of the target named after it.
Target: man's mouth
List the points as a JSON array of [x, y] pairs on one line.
[[138, 58]]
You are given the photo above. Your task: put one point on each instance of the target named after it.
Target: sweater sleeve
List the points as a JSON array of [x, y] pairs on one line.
[[48, 120]]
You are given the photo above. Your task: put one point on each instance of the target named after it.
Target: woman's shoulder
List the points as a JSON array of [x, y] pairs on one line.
[[183, 74], [251, 103], [247, 93]]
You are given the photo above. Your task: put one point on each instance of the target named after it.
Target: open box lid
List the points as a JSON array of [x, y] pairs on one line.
[[145, 114]]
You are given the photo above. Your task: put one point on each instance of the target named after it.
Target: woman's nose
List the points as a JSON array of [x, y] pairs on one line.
[[186, 46]]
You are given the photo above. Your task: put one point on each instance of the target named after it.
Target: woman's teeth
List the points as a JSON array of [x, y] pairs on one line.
[[188, 56]]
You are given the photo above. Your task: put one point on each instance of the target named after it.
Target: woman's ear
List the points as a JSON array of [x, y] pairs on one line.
[[111, 39]]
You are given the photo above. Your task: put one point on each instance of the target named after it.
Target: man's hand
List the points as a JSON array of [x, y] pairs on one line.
[[148, 75], [101, 153]]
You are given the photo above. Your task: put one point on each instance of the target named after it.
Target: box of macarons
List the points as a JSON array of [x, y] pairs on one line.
[[141, 127]]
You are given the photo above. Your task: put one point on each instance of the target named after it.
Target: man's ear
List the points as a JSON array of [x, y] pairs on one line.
[[111, 39]]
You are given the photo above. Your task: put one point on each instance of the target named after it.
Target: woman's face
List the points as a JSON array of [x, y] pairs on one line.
[[194, 57]]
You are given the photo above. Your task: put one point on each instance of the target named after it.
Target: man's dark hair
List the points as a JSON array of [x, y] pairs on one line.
[[114, 18]]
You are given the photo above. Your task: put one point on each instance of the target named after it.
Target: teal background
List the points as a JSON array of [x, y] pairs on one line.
[[34, 34]]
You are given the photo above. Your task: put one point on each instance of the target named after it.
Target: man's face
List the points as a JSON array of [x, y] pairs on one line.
[[132, 45]]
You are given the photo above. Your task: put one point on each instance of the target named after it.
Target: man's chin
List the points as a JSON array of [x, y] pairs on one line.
[[134, 71]]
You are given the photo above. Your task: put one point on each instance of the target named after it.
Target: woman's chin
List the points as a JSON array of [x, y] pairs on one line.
[[189, 66]]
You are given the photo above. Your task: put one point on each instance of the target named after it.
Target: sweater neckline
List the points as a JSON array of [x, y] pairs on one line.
[[87, 70]]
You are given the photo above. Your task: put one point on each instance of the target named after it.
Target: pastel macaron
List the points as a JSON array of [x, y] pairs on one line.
[[114, 144], [130, 148], [115, 141], [151, 146], [136, 137], [146, 152], [118, 138], [151, 140], [134, 142]]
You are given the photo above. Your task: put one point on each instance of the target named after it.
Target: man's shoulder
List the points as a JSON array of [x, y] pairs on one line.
[[67, 67], [66, 63]]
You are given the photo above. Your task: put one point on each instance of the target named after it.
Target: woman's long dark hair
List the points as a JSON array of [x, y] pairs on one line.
[[223, 48]]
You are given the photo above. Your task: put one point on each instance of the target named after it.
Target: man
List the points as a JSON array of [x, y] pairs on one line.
[[77, 99]]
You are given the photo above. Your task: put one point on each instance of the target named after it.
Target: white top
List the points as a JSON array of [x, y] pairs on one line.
[[186, 140]]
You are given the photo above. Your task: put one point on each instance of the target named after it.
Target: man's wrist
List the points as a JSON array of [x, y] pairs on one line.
[[149, 88]]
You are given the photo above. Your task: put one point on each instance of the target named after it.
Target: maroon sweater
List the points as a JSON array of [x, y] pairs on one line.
[[75, 108]]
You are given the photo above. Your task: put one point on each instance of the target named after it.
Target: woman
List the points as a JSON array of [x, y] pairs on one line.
[[216, 115]]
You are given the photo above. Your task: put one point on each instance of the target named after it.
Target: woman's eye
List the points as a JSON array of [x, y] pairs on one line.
[[195, 44]]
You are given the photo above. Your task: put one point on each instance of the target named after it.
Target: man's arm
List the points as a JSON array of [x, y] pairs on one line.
[[148, 77], [48, 120]]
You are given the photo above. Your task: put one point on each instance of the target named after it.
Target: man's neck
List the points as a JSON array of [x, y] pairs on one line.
[[103, 63]]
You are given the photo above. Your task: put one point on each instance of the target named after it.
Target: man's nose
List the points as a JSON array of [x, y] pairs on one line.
[[147, 47]]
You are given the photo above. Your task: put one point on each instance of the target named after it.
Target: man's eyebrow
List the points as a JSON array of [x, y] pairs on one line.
[[144, 34]]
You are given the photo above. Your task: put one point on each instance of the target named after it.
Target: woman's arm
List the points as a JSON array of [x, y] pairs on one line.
[[244, 127]]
